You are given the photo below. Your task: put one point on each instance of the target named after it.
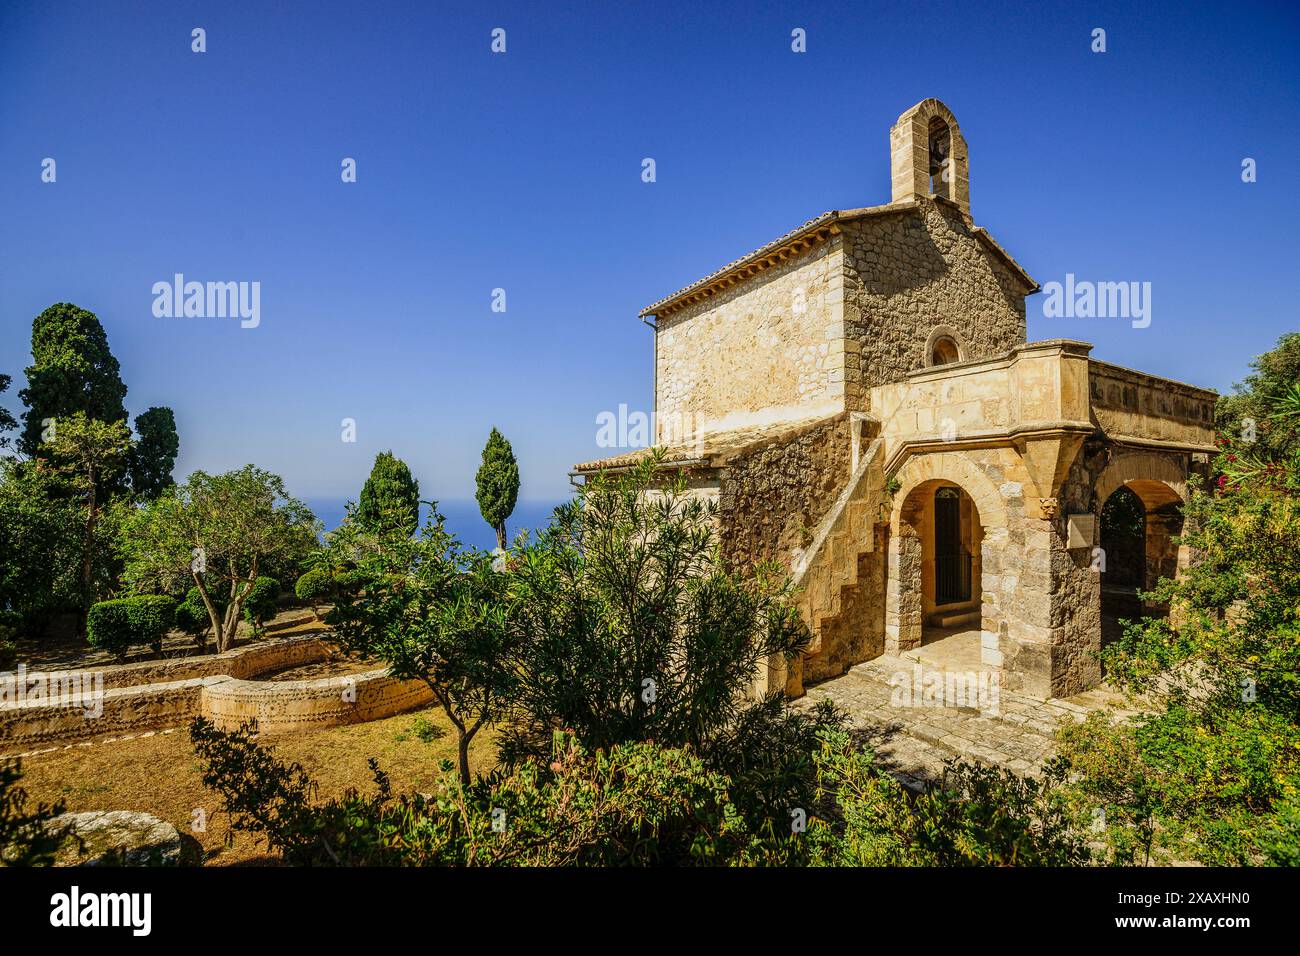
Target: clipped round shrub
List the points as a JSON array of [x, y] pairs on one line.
[[349, 581], [192, 613], [260, 605], [192, 617], [119, 624], [315, 587]]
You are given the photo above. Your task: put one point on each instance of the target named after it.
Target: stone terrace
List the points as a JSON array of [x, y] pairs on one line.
[[914, 742]]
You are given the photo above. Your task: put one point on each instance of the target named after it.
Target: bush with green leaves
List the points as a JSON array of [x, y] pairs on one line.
[[192, 615], [635, 804], [631, 629], [119, 624], [972, 816], [261, 602], [315, 587], [1211, 770]]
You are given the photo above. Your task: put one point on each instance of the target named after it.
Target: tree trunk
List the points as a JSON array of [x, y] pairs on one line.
[[462, 757], [87, 559], [501, 536], [218, 633]]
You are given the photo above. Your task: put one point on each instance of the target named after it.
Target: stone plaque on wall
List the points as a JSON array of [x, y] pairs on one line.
[[1082, 531]]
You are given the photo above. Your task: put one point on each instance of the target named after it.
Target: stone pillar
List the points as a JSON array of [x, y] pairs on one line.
[[903, 595], [1053, 615]]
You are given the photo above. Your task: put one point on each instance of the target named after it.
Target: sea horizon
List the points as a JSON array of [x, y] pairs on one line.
[[464, 519]]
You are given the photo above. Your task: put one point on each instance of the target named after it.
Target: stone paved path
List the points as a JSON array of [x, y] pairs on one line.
[[1015, 732]]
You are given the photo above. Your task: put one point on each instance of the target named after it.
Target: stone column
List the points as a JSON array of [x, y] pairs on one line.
[[903, 595]]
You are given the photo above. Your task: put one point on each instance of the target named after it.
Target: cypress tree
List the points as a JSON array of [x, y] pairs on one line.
[[390, 498], [498, 484]]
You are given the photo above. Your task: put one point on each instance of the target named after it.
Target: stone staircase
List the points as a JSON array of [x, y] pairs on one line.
[[830, 563]]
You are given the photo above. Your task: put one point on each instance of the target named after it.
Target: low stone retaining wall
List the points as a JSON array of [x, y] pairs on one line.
[[241, 662], [304, 704], [131, 698], [123, 710]]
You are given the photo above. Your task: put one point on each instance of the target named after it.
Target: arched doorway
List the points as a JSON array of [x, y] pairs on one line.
[[1140, 521], [935, 576]]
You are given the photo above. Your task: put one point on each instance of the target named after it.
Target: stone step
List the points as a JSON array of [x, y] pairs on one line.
[[946, 619]]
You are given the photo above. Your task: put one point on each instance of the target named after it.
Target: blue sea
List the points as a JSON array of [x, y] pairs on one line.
[[463, 518]]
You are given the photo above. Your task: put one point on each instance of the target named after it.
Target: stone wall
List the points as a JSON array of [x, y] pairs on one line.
[[769, 349], [908, 272], [773, 494], [247, 661], [309, 704], [120, 711], [152, 695]]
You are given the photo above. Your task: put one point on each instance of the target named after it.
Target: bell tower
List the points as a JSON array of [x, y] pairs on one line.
[[928, 156]]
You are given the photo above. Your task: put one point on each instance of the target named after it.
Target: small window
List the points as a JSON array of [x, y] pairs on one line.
[[944, 352]]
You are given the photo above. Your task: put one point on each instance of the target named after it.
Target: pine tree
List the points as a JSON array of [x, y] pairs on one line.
[[498, 484], [390, 498]]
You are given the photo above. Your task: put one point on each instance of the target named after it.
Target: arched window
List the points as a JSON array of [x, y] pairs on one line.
[[944, 351]]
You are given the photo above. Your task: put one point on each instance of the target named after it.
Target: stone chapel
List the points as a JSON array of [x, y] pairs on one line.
[[860, 399]]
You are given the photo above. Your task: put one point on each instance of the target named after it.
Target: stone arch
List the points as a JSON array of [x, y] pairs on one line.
[[958, 469], [924, 142], [919, 478], [1155, 478], [938, 335], [1160, 483]]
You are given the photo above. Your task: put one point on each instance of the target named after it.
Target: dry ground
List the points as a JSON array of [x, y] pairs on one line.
[[161, 775]]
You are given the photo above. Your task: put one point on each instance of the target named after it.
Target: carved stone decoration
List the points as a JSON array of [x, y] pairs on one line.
[[1048, 508]]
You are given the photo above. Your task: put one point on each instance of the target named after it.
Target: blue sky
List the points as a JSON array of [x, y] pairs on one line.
[[522, 171]]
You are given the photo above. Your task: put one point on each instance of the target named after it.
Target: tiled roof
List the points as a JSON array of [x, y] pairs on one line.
[[712, 450], [814, 226]]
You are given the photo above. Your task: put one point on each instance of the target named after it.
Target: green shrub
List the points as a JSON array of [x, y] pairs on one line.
[[192, 613], [973, 816], [192, 618], [261, 603], [117, 625], [348, 581], [315, 587], [635, 804]]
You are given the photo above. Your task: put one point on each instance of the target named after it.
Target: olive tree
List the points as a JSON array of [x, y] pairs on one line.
[[218, 531], [435, 613]]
